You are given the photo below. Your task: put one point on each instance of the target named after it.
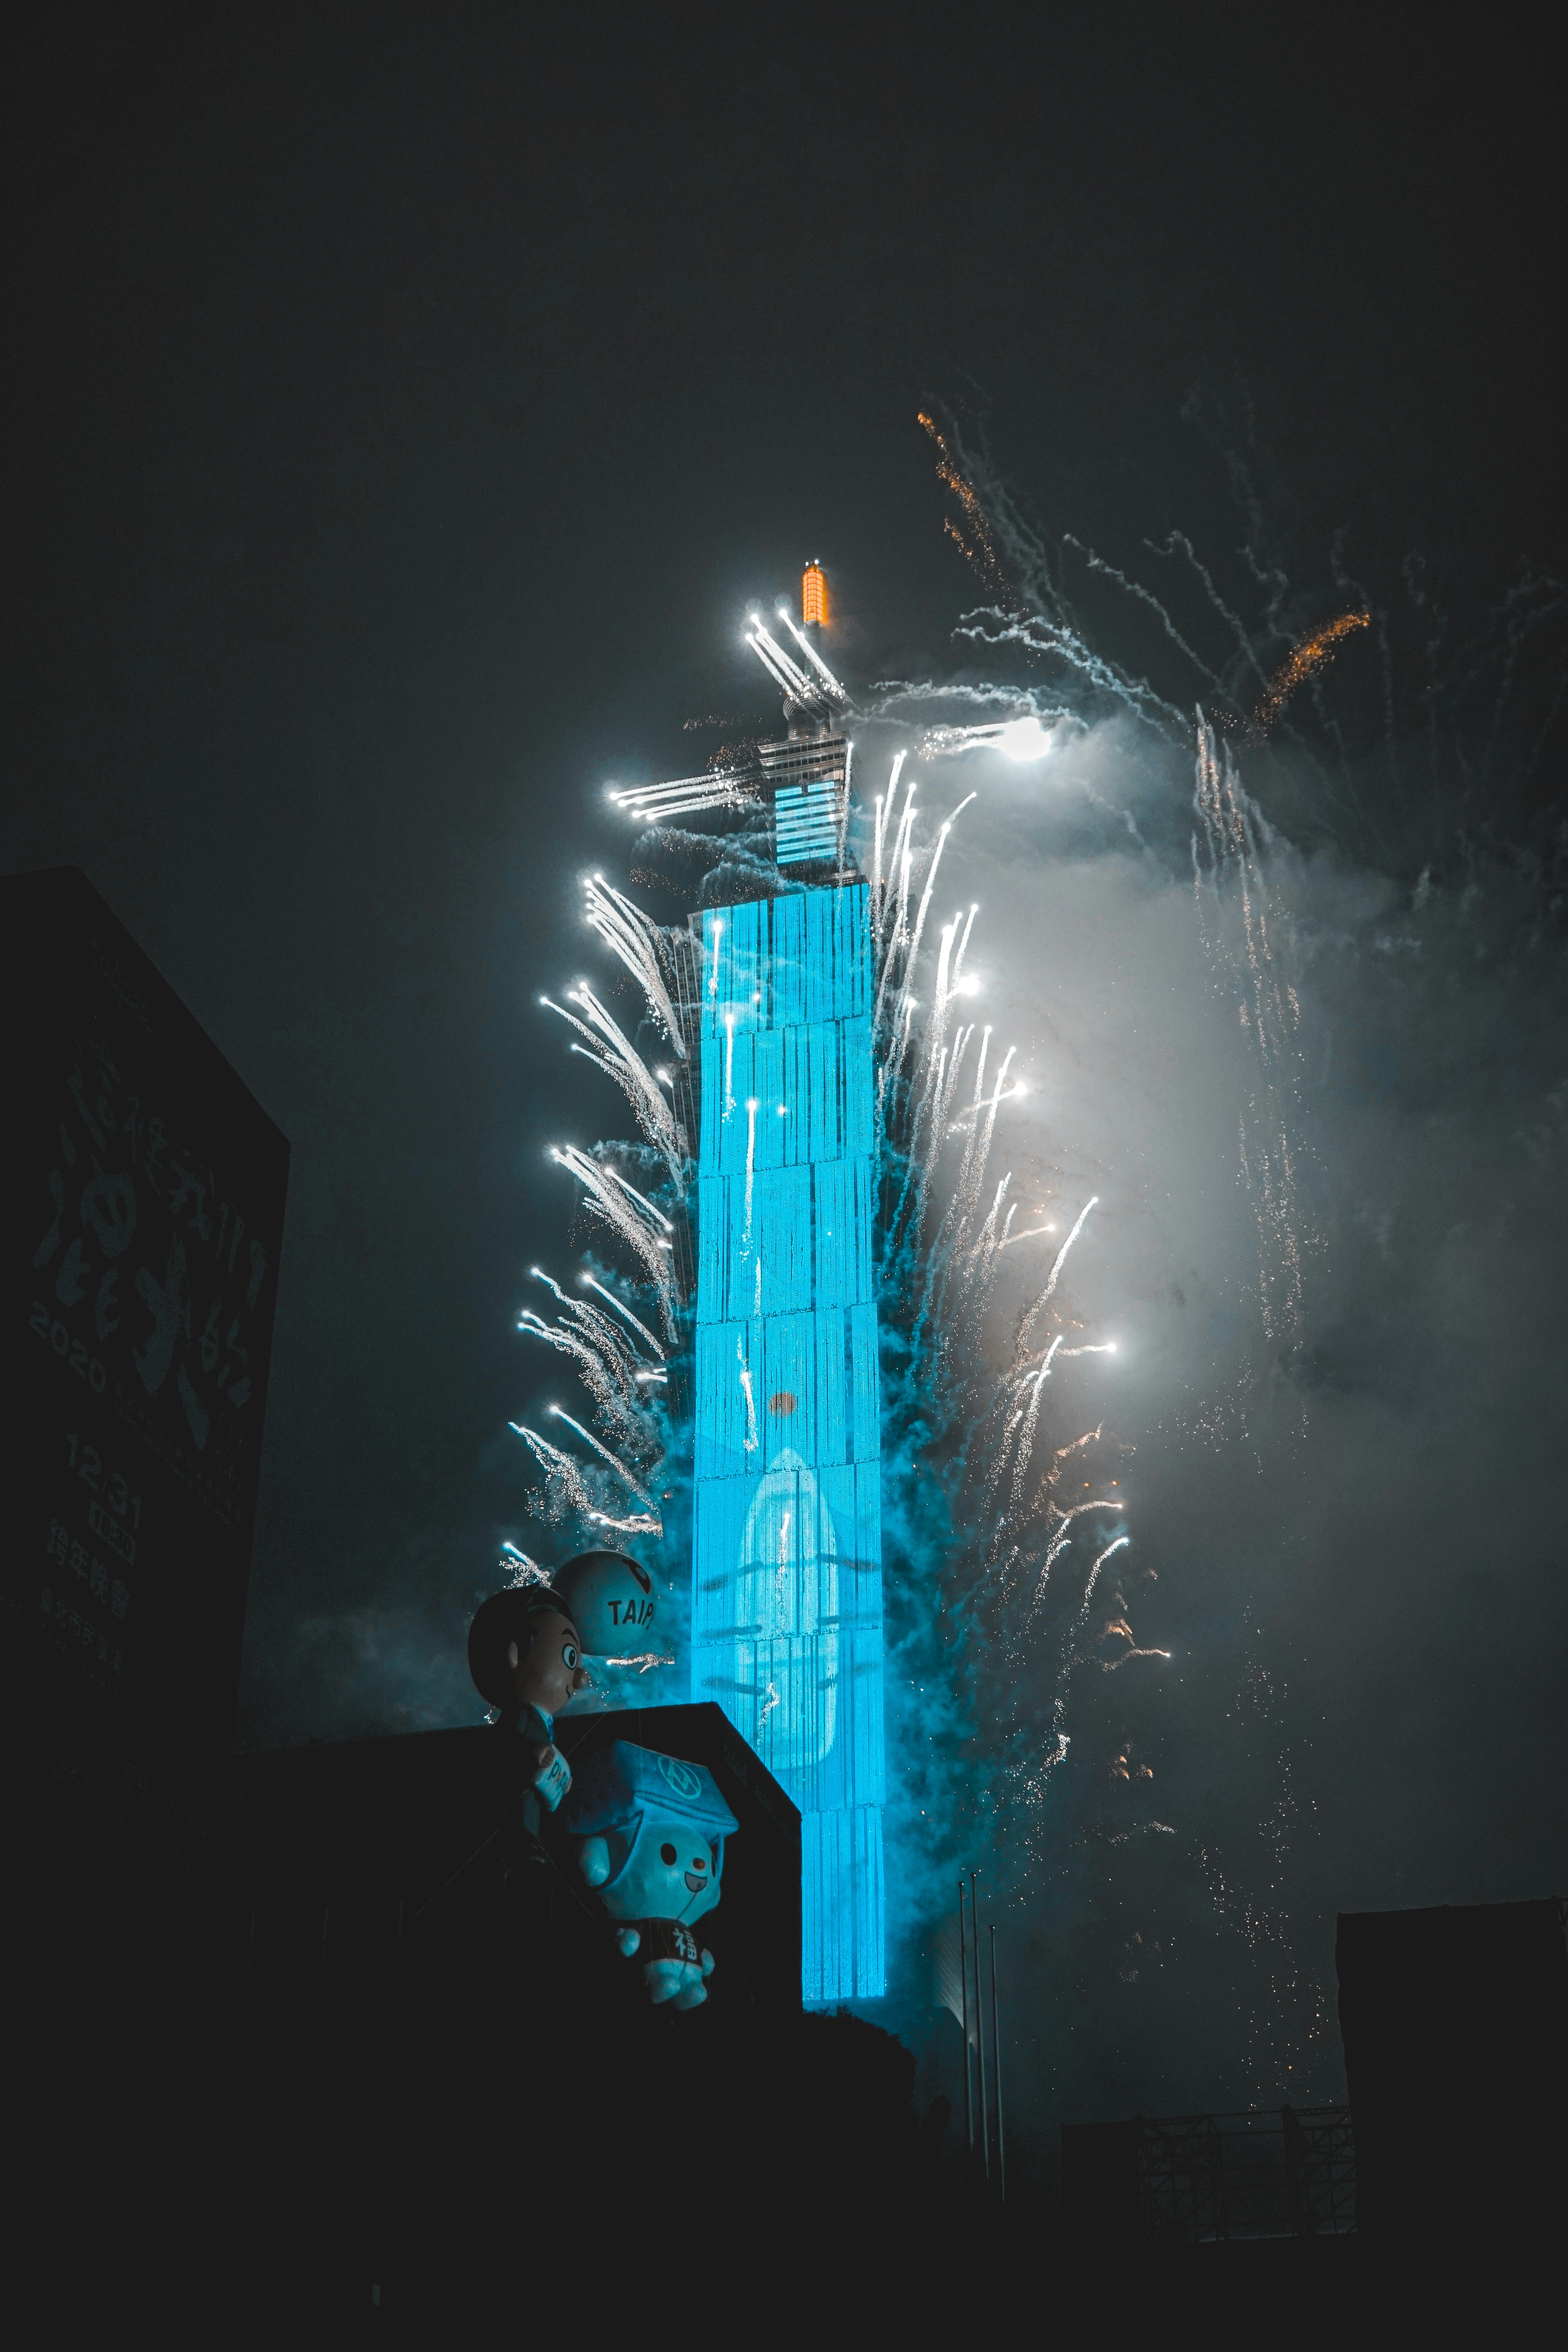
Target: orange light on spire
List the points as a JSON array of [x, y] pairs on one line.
[[814, 597]]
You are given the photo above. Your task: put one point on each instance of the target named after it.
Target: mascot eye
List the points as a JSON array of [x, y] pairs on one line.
[[569, 1657], [699, 1862], [666, 1854]]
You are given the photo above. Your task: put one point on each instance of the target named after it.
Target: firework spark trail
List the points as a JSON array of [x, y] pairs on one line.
[[1032, 609], [1228, 870], [1046, 639], [629, 934], [979, 548], [936, 1083], [1147, 598], [608, 1340], [611, 1343], [935, 1056], [983, 1252], [955, 988], [621, 1308], [589, 1361], [882, 812], [520, 1569], [1052, 1279], [891, 939], [655, 1215], [961, 1259], [1177, 542], [611, 1461], [933, 861], [609, 1366], [1303, 662], [973, 1119], [612, 1198], [1020, 1426], [1027, 1510], [894, 937], [559, 1469], [1061, 1539], [961, 1256], [1023, 1450], [960, 1265], [1024, 738], [936, 1075], [947, 1249], [751, 1171], [976, 1276], [899, 696], [966, 1163], [945, 1087], [1119, 1543], [893, 1062], [1055, 1748], [745, 1376], [624, 1064], [956, 952], [903, 858]]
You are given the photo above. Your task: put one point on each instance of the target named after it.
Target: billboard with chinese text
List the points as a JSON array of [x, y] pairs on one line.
[[145, 1194]]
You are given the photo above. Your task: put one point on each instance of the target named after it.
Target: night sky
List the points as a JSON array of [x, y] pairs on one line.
[[403, 406]]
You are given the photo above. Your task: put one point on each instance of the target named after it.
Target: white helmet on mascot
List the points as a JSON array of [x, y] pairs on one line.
[[612, 1603]]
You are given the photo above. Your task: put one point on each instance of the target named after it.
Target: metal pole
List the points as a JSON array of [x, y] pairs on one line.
[[964, 1981], [996, 2069], [980, 2026]]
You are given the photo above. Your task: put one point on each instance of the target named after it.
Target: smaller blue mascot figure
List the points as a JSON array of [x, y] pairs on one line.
[[649, 1831]]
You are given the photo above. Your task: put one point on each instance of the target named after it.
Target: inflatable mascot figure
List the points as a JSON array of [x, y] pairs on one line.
[[527, 1661], [649, 1834]]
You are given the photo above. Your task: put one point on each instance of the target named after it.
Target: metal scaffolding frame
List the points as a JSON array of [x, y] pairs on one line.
[[1261, 2173]]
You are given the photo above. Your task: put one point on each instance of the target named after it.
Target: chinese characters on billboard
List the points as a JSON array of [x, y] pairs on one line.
[[145, 1210]]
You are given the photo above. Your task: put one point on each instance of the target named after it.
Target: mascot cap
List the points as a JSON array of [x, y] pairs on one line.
[[610, 1600], [614, 1787]]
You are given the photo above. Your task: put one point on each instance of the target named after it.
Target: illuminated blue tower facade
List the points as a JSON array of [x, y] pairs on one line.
[[787, 1577]]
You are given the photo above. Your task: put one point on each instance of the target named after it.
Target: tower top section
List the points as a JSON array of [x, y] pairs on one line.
[[805, 778], [813, 695]]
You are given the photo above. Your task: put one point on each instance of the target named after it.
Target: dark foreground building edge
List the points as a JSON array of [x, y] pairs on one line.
[[313, 2046]]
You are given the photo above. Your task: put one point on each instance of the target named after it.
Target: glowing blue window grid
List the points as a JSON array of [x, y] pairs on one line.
[[787, 1553], [807, 821]]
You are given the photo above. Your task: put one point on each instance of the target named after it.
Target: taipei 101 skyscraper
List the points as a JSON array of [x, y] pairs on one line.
[[786, 1625]]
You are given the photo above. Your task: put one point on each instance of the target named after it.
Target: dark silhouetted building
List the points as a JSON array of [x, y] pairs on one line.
[[145, 1194], [1455, 2023]]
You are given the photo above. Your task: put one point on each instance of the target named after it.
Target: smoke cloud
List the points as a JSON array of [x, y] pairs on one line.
[[1331, 1262]]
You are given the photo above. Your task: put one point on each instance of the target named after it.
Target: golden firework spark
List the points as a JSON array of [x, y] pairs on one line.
[[978, 548], [1304, 662]]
